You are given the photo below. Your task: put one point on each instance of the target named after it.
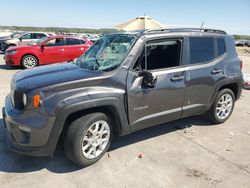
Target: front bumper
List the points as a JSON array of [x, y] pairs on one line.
[[12, 60], [28, 132]]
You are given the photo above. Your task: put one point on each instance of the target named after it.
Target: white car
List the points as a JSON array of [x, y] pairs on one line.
[[23, 39]]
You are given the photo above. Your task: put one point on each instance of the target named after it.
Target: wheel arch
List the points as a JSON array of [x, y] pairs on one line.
[[234, 85], [110, 106]]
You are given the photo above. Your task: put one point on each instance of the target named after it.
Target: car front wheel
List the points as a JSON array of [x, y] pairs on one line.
[[88, 138], [29, 61]]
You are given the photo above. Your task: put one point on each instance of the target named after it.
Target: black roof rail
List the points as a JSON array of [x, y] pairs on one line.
[[185, 30]]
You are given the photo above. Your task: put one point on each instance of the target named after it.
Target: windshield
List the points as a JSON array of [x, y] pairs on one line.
[[15, 35], [107, 53], [38, 41]]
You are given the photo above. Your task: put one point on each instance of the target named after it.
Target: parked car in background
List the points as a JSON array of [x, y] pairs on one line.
[[246, 81], [6, 38], [242, 43], [94, 38], [25, 38], [48, 50]]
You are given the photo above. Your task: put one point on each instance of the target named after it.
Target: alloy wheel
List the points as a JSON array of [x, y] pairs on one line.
[[95, 139], [224, 106]]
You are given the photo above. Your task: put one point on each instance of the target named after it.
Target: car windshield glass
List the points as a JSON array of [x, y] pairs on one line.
[[15, 35], [107, 53], [38, 41]]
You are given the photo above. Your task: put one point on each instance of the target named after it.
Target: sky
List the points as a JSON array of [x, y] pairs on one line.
[[233, 16]]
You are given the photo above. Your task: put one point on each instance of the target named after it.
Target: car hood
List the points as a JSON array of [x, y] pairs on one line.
[[50, 74], [5, 38], [12, 40], [20, 47]]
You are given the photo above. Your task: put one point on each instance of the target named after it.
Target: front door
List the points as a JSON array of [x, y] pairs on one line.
[[163, 102], [53, 51], [26, 39]]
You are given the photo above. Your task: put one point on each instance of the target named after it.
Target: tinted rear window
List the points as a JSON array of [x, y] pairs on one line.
[[73, 41], [201, 50], [221, 46]]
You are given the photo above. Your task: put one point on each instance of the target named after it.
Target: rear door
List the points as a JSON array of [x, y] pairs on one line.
[[206, 62], [53, 51], [74, 48], [164, 59]]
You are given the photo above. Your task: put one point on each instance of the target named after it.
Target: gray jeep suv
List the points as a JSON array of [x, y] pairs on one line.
[[124, 82]]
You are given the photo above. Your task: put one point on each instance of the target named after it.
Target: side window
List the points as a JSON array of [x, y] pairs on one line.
[[39, 35], [160, 55], [83, 41], [73, 41], [201, 50], [221, 46], [55, 42], [27, 36]]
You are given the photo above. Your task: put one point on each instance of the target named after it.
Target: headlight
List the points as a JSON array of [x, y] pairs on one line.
[[11, 52], [25, 98]]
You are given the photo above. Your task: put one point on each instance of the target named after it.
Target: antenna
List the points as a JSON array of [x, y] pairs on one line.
[[202, 25]]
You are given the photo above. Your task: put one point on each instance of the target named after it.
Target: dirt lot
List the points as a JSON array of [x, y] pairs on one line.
[[201, 155]]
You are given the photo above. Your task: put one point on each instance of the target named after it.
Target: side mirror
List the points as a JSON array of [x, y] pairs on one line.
[[148, 81], [42, 46]]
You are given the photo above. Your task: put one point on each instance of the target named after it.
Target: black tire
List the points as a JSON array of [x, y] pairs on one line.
[[212, 115], [28, 65], [75, 135]]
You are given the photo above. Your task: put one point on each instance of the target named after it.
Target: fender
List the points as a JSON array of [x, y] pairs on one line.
[[224, 82], [113, 102]]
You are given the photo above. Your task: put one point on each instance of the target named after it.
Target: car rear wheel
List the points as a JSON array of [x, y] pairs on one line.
[[223, 106], [29, 61], [88, 138]]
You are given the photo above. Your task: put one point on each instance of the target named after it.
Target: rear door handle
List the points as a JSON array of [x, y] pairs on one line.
[[61, 50], [177, 78], [81, 49], [216, 71]]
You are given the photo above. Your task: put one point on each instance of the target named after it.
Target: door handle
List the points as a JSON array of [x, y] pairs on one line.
[[216, 71], [177, 78], [61, 50], [81, 49]]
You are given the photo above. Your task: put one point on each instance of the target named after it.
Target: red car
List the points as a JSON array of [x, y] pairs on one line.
[[47, 50]]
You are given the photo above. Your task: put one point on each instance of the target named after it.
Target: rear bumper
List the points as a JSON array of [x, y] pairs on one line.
[[27, 135]]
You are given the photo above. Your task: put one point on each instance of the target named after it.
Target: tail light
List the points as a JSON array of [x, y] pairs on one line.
[[241, 64]]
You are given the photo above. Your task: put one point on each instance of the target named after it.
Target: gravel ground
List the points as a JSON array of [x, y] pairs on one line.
[[186, 153]]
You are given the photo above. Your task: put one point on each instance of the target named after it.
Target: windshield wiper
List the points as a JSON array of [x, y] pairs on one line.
[[97, 62]]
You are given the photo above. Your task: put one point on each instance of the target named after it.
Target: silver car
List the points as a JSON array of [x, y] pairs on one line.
[[24, 39]]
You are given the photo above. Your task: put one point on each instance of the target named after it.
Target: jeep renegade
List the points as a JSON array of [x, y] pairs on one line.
[[125, 82]]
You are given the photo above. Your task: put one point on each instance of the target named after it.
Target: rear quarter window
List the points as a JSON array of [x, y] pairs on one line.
[[73, 41], [221, 46], [201, 50]]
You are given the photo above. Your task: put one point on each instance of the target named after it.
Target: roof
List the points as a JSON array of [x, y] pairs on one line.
[[173, 30]]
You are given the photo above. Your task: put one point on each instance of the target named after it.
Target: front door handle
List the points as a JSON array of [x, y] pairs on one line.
[[177, 78], [216, 71]]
